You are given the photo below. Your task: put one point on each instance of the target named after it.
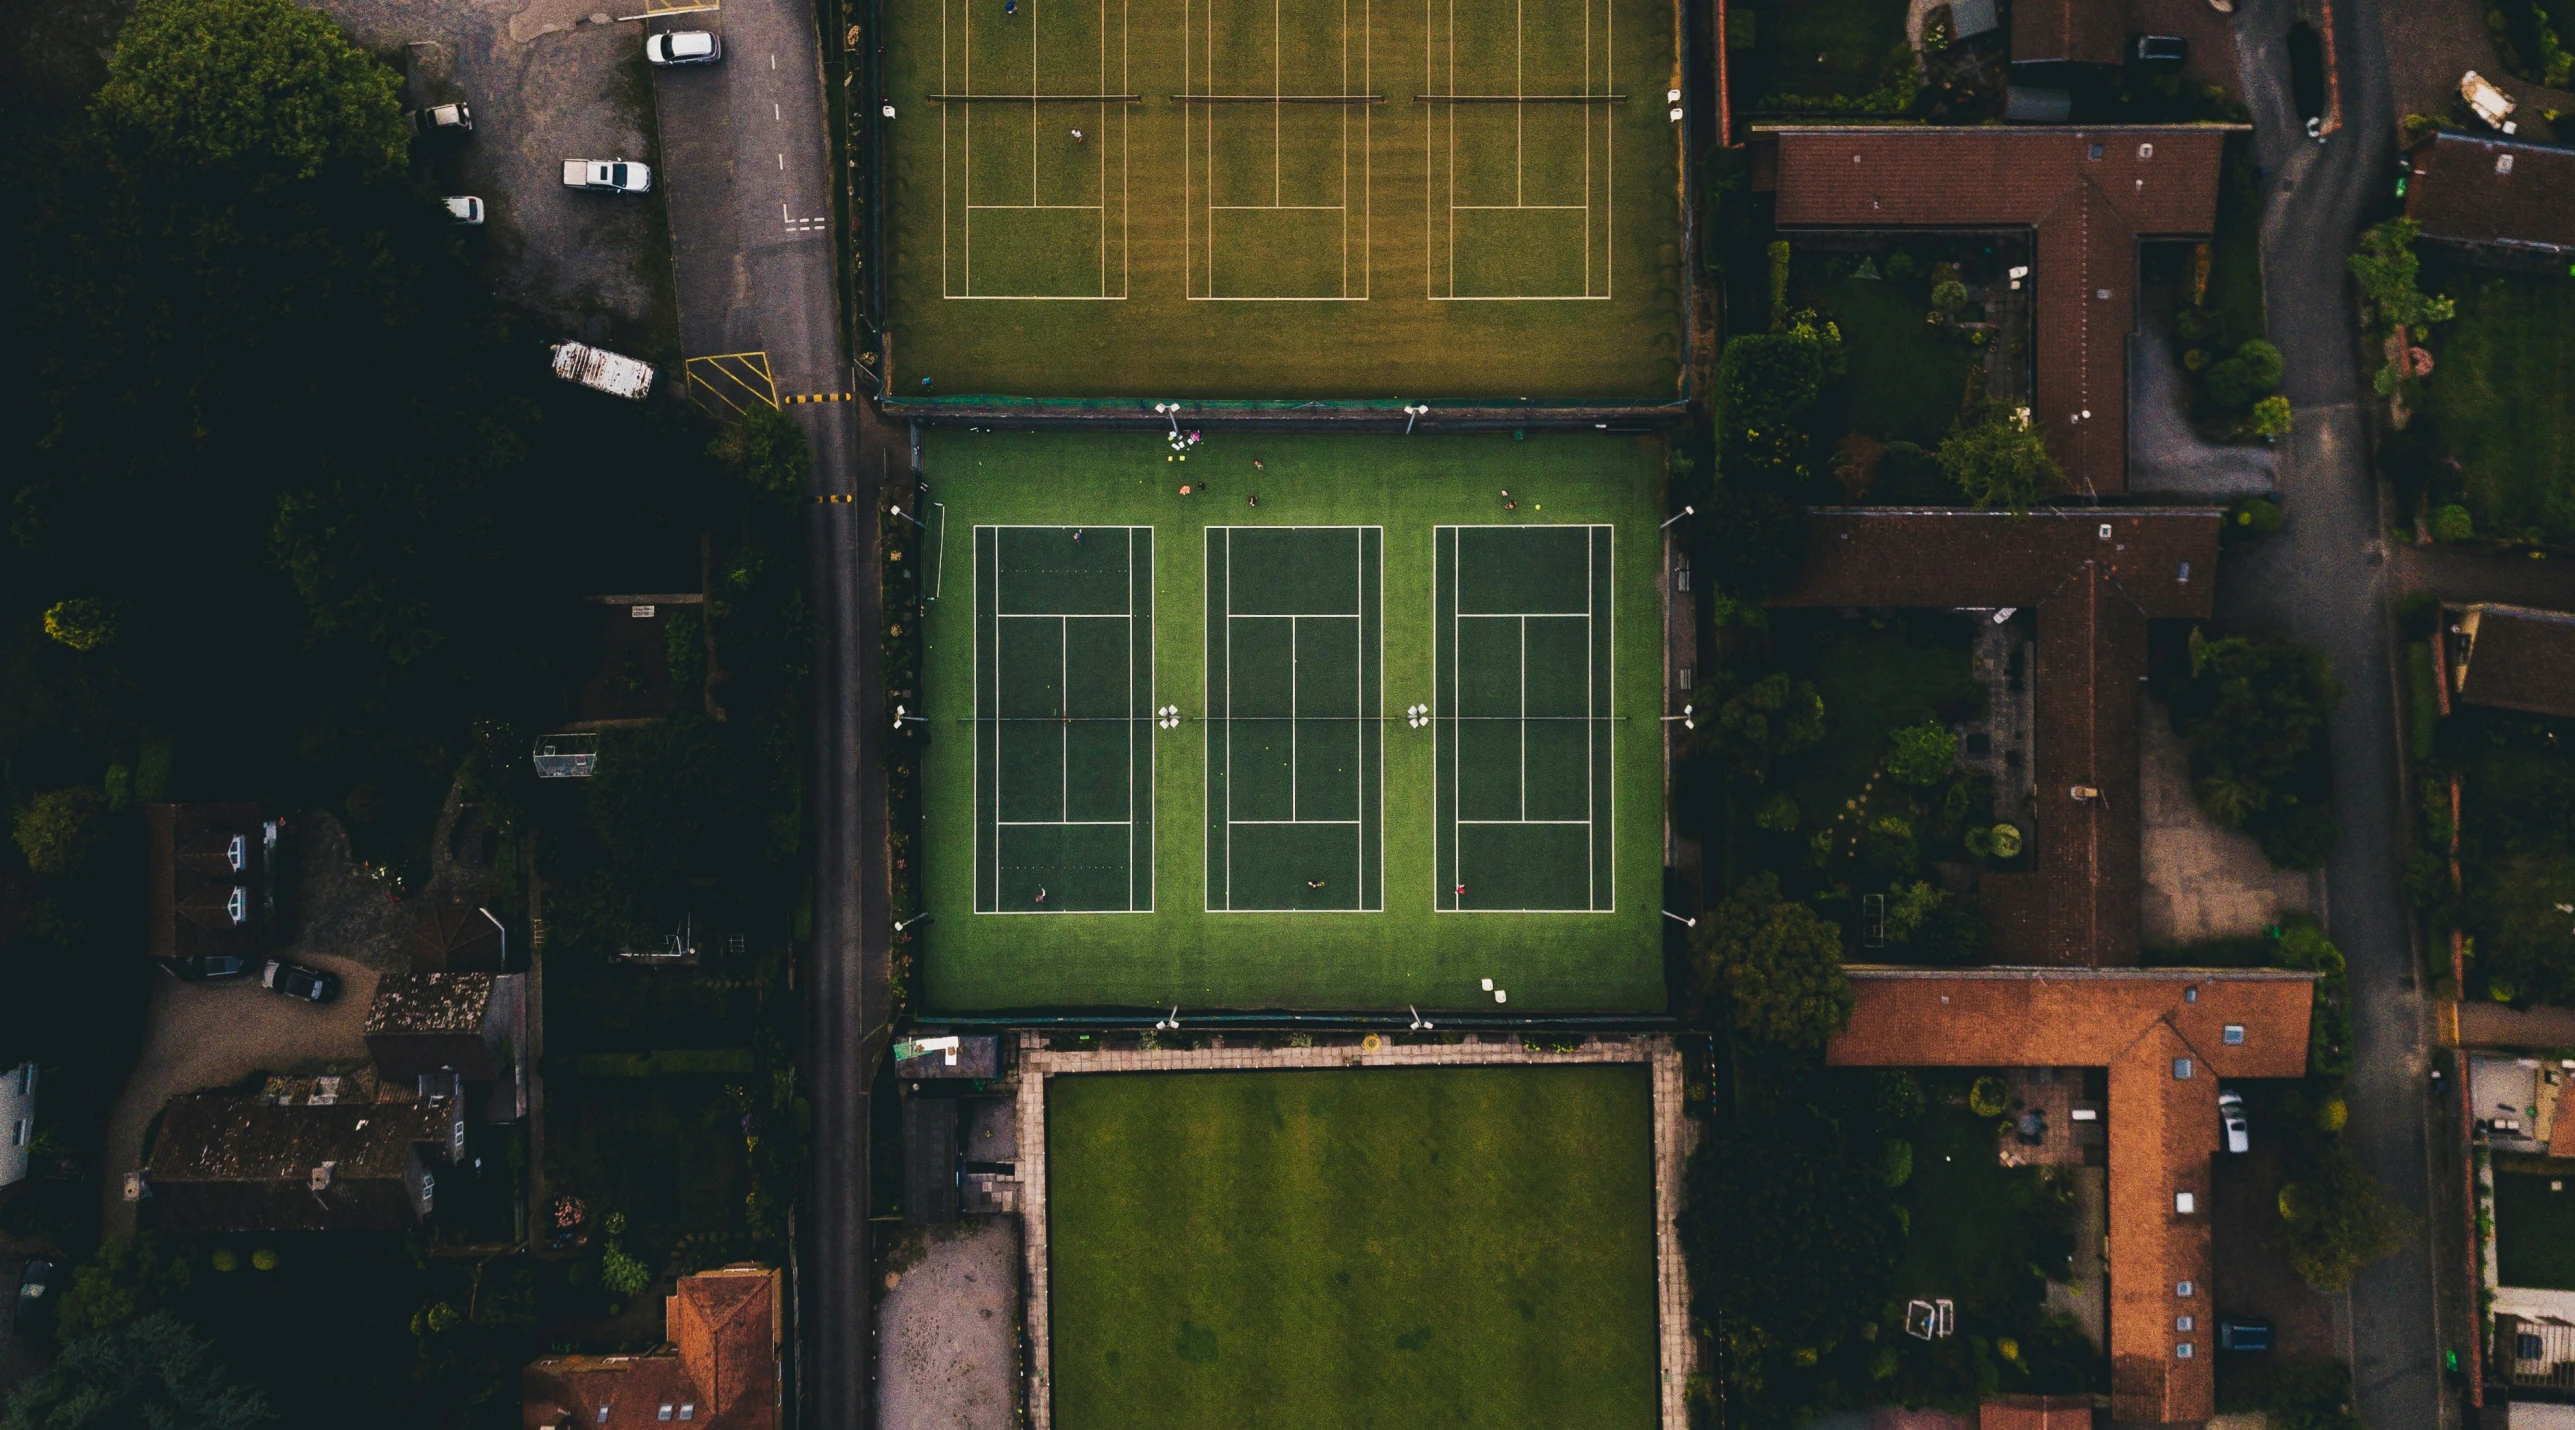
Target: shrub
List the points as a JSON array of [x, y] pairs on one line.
[[1778, 813], [2452, 523], [225, 1259], [1778, 965], [60, 829], [263, 1258], [84, 623], [1948, 295], [1899, 1161], [2340, 1220], [1887, 847], [2261, 364], [1998, 460], [2253, 711], [2229, 384], [1989, 1096], [2271, 417], [1773, 716], [2332, 1114], [622, 1274], [2255, 516], [1778, 277], [2001, 841], [1924, 753]]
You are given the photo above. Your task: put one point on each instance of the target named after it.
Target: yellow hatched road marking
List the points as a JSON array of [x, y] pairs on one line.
[[732, 379]]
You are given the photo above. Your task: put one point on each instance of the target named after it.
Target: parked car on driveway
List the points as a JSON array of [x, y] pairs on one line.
[[2159, 54], [615, 176], [206, 967], [40, 1285], [684, 47], [2230, 1111], [2487, 102], [2243, 1334], [465, 209], [453, 120], [311, 985]]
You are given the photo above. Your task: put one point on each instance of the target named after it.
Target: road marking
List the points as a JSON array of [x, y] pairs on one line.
[[782, 163], [820, 397], [774, 112], [732, 380]]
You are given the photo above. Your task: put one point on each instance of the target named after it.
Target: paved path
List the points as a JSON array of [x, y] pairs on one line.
[[2323, 580], [1674, 1136]]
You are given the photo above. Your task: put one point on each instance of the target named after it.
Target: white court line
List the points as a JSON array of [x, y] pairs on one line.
[[1599, 183], [957, 207], [1199, 176]]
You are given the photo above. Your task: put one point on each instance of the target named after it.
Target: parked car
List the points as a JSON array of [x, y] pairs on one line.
[[2162, 54], [2230, 1111], [615, 176], [2245, 1334], [2487, 102], [206, 967], [465, 209], [310, 985], [454, 120], [684, 47], [40, 1285]]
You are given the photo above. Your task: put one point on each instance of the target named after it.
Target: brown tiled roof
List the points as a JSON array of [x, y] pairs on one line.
[[226, 1162], [2080, 31], [455, 935], [2140, 1023], [430, 1003], [2468, 188], [191, 880], [2519, 659], [2089, 195], [2035, 1412], [719, 1368], [2092, 594]]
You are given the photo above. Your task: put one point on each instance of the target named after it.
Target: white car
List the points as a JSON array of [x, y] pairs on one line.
[[684, 47], [465, 209], [2230, 1111], [616, 176]]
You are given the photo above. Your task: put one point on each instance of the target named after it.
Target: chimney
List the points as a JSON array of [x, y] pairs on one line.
[[320, 1181]]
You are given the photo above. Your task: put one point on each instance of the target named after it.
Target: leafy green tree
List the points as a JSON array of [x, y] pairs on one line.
[[264, 87], [1888, 848], [2453, 523], [1793, 1240], [1778, 813], [1934, 926], [61, 828], [765, 449], [2253, 712], [1778, 965], [2262, 365], [84, 623], [1998, 460], [2340, 1220], [2272, 418], [2388, 269], [1925, 754], [147, 1373], [133, 1275], [1772, 717]]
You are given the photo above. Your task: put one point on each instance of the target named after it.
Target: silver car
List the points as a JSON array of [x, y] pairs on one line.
[[2230, 1111], [684, 47]]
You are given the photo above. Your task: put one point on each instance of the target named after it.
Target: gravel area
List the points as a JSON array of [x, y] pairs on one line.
[[946, 1358]]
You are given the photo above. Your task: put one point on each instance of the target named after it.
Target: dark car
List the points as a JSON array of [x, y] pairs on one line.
[[206, 967], [2160, 54], [444, 120], [40, 1285], [2246, 1334], [311, 985]]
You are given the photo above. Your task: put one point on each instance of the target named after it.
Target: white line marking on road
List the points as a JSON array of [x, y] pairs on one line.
[[774, 112], [782, 163], [773, 62]]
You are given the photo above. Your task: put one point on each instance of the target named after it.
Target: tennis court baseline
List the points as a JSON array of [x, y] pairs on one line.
[[1063, 719], [1295, 743], [1526, 725]]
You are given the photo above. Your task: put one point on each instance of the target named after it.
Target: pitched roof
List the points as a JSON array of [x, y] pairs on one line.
[[2094, 579], [430, 1003], [2518, 658], [2089, 194], [2080, 31], [718, 1370], [2469, 188], [456, 934], [229, 1162], [2167, 1035], [2035, 1412], [192, 879]]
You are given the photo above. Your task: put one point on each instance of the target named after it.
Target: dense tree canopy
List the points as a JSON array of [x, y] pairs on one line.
[[1999, 460], [1777, 964], [149, 1372], [263, 88], [2253, 711], [2340, 1220], [1774, 716]]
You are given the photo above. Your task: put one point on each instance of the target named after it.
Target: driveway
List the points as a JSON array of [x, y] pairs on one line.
[[2430, 43], [2164, 454], [2323, 579], [548, 80]]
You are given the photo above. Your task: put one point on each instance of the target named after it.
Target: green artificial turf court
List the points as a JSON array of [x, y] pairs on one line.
[[1287, 199], [1334, 748], [1405, 1246], [1527, 748], [1295, 770], [1063, 719]]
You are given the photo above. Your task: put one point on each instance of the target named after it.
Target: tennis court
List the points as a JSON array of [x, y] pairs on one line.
[[1295, 765], [1347, 174], [1525, 719], [1063, 727]]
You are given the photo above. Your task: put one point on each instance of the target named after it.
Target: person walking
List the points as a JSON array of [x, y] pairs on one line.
[[1041, 893], [1077, 136]]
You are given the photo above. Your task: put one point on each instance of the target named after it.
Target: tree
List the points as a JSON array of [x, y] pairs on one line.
[[84, 623], [1924, 753], [2340, 1220], [148, 1372], [131, 1276], [2387, 267], [1779, 965], [765, 449], [61, 828], [264, 87], [1792, 1238], [1998, 460], [1772, 717], [2271, 417], [2253, 712]]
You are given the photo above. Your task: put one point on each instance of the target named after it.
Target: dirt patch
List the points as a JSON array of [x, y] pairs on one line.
[[947, 1333], [2203, 881]]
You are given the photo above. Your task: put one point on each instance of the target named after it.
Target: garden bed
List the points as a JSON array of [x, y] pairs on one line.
[[2502, 403]]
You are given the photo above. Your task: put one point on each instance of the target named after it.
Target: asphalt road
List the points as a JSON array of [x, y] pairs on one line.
[[747, 161], [2324, 580]]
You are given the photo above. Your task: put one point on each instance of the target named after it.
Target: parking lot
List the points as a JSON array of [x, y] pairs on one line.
[[548, 80]]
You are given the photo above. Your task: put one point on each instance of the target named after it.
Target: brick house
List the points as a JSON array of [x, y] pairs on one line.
[[719, 1367]]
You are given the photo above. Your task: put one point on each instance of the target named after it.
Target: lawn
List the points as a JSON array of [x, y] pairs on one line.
[[665, 1151], [2503, 396], [1836, 47], [1981, 1234], [1435, 1246], [2534, 1231], [2517, 850], [1906, 381], [1357, 242], [1873, 682], [1371, 938]]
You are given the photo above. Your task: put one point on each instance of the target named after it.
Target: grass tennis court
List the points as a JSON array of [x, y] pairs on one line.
[[1285, 199], [1384, 682], [1432, 1246], [1063, 719]]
